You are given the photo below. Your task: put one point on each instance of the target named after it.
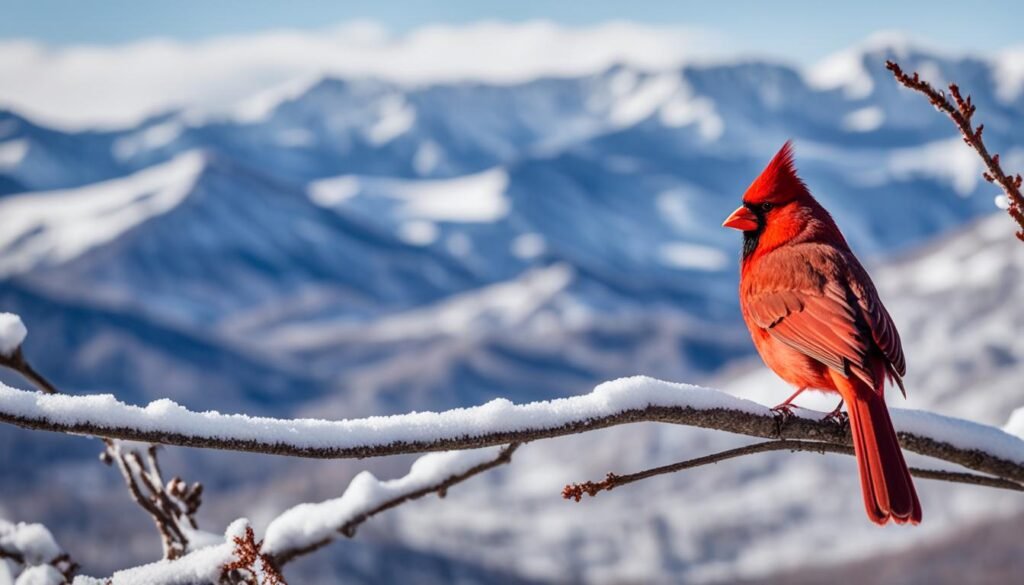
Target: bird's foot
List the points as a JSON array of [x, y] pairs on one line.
[[838, 417], [782, 413]]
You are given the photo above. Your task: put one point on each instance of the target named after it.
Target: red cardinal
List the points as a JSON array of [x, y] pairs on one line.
[[818, 323]]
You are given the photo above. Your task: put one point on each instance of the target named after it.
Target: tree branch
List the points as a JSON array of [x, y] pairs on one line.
[[31, 546], [168, 505], [172, 506], [612, 480], [243, 559], [17, 362], [961, 111], [977, 447], [348, 528]]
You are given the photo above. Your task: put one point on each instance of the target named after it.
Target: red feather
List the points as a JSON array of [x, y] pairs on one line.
[[817, 321]]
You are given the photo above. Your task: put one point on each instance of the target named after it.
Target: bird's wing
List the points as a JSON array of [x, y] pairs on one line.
[[828, 313], [883, 331], [819, 324]]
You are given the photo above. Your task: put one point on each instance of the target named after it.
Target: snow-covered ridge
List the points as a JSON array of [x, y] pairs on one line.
[[55, 226], [497, 306], [501, 415], [479, 197]]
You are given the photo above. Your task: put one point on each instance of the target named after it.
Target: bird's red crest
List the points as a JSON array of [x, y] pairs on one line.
[[778, 181]]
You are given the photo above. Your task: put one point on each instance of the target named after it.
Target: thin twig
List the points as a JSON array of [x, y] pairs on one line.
[[17, 362], [172, 538], [961, 111], [441, 488], [612, 480], [166, 505]]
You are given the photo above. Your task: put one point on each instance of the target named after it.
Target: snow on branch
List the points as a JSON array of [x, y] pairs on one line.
[[29, 553], [977, 447], [240, 558], [961, 112], [307, 527], [12, 335]]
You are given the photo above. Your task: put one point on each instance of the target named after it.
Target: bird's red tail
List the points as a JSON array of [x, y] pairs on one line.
[[884, 477]]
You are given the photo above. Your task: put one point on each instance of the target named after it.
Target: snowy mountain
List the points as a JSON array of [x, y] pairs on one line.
[[362, 244], [199, 238]]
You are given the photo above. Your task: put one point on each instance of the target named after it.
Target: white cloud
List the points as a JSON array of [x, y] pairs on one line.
[[118, 85]]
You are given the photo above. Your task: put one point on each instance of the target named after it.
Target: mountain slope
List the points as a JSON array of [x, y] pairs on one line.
[[200, 237]]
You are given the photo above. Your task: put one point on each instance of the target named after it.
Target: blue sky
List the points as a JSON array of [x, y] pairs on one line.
[[801, 31]]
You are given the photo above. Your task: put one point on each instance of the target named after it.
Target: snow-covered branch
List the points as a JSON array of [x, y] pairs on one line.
[[307, 527], [470, 437], [629, 400], [29, 554], [240, 558]]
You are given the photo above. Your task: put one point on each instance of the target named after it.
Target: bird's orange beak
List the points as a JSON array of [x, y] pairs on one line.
[[742, 219]]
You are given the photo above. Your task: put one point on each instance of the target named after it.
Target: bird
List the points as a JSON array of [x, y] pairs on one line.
[[817, 321]]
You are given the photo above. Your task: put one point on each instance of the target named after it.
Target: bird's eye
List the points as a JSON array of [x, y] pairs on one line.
[[767, 206]]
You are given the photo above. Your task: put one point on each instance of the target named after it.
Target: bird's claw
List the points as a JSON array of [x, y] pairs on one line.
[[782, 413], [838, 417]]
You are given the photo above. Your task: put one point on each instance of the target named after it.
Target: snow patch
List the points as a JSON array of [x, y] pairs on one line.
[[494, 307], [1015, 425], [396, 118], [1009, 74], [56, 226], [864, 119], [528, 246], [12, 153], [151, 138], [200, 566], [331, 192], [622, 82], [686, 108], [418, 232], [645, 99], [428, 156], [32, 541], [692, 256], [12, 333], [469, 199], [946, 159], [844, 70]]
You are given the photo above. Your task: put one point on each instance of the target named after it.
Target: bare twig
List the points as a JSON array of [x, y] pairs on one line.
[[441, 489], [612, 480], [172, 506], [961, 111], [168, 505], [17, 362]]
